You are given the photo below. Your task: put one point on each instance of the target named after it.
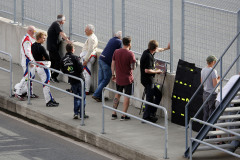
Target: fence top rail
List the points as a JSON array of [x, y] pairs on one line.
[[210, 7], [214, 126], [154, 58], [138, 99]]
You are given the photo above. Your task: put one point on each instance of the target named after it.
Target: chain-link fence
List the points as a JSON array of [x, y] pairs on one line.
[[208, 30], [96, 12], [149, 19], [8, 8], [40, 13]]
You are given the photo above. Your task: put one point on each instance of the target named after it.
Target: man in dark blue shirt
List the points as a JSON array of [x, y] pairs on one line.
[[104, 67]]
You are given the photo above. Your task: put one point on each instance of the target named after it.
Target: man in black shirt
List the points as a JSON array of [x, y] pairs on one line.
[[71, 65], [55, 34], [148, 71], [40, 56]]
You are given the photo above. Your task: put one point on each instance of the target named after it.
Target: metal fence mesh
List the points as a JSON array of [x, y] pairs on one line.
[[6, 7], [149, 19], [96, 12], [208, 31], [41, 13]]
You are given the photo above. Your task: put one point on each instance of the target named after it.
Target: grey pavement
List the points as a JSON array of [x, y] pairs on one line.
[[128, 139]]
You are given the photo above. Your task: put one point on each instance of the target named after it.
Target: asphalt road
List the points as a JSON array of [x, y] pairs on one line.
[[20, 140]]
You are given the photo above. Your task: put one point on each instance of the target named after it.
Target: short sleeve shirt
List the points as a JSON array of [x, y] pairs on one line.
[[123, 59], [53, 36], [146, 62], [208, 85]]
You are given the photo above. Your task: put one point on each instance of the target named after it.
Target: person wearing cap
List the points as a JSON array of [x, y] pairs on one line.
[[209, 86], [53, 43]]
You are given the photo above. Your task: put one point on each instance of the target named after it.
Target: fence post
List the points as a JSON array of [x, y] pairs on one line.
[[15, 12], [182, 44], [123, 18], [171, 36], [61, 7], [238, 43], [22, 12], [11, 75], [70, 19], [113, 17]]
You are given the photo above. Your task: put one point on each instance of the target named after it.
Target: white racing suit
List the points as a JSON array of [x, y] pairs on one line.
[[45, 75], [87, 69], [26, 55]]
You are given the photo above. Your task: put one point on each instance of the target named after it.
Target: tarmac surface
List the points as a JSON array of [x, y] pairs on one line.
[[128, 139]]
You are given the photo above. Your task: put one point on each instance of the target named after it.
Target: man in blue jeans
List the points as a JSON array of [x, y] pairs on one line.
[[71, 65], [104, 64]]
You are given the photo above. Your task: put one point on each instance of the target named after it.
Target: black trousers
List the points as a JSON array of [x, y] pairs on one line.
[[153, 95], [55, 62]]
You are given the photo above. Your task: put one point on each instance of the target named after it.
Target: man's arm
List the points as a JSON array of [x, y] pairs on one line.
[[151, 71], [113, 68], [63, 35], [90, 50], [215, 81], [163, 49]]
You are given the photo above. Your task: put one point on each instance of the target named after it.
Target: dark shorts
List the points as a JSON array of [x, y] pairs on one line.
[[128, 89]]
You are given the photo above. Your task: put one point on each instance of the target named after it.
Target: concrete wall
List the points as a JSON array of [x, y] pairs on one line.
[[11, 36]]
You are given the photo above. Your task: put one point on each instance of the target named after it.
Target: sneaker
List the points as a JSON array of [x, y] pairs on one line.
[[114, 116], [34, 96], [151, 119], [75, 116], [53, 100], [124, 118], [97, 99], [19, 97], [52, 104], [85, 116], [69, 90], [54, 79]]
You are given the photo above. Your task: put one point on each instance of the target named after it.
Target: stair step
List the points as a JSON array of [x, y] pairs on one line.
[[237, 116], [224, 146], [222, 139], [232, 109], [234, 101], [219, 132], [228, 124]]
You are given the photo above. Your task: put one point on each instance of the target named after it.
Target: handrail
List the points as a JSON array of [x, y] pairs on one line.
[[59, 89], [200, 86], [208, 144], [165, 127], [9, 71]]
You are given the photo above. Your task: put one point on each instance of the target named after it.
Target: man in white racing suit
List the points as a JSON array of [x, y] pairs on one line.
[[26, 56], [88, 55], [41, 57]]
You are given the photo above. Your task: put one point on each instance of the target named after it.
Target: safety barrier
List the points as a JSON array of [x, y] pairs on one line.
[[208, 144], [9, 71], [59, 89], [165, 127]]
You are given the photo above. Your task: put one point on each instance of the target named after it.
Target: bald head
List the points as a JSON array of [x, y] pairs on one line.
[[31, 30]]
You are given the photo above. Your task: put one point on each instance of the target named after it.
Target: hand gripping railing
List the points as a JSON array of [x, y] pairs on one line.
[[59, 89], [9, 71], [165, 127], [220, 83], [208, 144]]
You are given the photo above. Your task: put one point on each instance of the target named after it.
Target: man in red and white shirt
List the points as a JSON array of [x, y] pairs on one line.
[[26, 55]]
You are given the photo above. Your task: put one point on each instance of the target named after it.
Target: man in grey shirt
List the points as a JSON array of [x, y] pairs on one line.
[[209, 86]]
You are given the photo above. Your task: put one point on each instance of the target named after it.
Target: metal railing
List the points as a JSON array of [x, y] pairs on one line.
[[13, 13], [9, 71], [208, 144], [59, 89], [165, 127], [203, 81]]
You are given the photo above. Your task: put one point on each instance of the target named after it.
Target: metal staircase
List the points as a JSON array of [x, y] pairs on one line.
[[217, 114], [231, 142]]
